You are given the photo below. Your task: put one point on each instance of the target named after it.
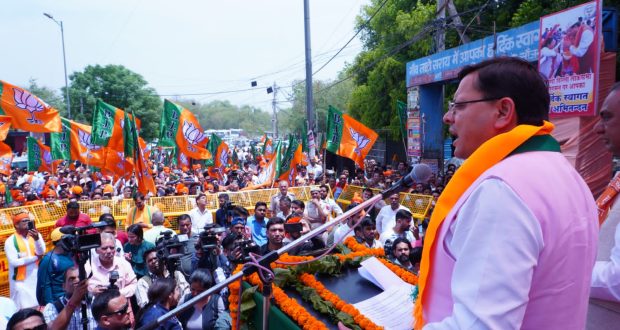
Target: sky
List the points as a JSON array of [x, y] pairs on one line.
[[180, 47]]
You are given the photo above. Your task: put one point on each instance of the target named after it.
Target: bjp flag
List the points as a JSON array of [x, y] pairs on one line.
[[289, 163], [108, 123], [82, 148], [180, 128], [28, 112], [39, 156], [6, 158], [5, 124], [348, 137], [116, 163]]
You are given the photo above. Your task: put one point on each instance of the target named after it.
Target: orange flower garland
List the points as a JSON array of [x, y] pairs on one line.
[[290, 306], [341, 305], [352, 244], [404, 274], [234, 299]]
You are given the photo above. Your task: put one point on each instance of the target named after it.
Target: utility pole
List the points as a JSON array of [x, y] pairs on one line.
[[309, 97], [64, 59], [440, 38], [274, 118]]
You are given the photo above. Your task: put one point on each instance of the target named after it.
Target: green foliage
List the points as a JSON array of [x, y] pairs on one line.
[[49, 96], [120, 87]]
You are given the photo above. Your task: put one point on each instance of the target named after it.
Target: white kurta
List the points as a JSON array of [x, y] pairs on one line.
[[24, 293], [386, 219]]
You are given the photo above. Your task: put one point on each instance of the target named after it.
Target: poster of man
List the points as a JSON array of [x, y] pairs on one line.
[[568, 57]]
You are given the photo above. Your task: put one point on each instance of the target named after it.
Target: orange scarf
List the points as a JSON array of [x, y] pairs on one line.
[[486, 156], [19, 273], [606, 199]]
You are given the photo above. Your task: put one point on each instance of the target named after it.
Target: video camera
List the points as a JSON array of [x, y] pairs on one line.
[[76, 240], [170, 249], [246, 246], [208, 245]]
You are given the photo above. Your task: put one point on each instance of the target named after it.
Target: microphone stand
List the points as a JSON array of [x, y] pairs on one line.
[[272, 256]]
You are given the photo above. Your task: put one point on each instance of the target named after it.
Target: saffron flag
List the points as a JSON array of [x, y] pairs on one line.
[[6, 158], [402, 116], [108, 122], [347, 137], [220, 151], [74, 142], [5, 124], [286, 156], [28, 112], [179, 127], [117, 163], [39, 156], [268, 150], [144, 175], [296, 158], [267, 177]]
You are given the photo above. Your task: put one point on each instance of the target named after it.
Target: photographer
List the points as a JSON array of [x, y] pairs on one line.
[[104, 263], [189, 260], [156, 270], [65, 312], [51, 274]]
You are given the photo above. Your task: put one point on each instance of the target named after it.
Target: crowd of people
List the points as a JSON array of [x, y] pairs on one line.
[[142, 267], [511, 243]]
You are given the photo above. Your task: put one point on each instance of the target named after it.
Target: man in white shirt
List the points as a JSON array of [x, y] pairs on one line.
[[314, 169], [387, 214], [200, 215], [344, 229], [334, 208], [275, 199], [154, 233], [401, 228]]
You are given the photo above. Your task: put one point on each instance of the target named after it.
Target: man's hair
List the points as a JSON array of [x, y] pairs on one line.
[[138, 195], [224, 197], [70, 269], [158, 218], [299, 204], [514, 78], [229, 240], [21, 315], [367, 221], [202, 276], [284, 199], [274, 221], [403, 214], [261, 204], [324, 186], [109, 219], [146, 253], [200, 195], [73, 205], [368, 190], [183, 217], [100, 304], [160, 289]]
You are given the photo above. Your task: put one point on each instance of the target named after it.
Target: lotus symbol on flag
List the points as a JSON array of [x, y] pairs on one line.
[[223, 159], [291, 175], [27, 101], [360, 140], [192, 135], [183, 159], [269, 149], [266, 174], [84, 138]]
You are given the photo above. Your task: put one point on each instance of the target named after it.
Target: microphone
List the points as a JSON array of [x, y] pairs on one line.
[[420, 173]]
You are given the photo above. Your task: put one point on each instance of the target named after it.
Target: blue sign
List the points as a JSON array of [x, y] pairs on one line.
[[519, 42]]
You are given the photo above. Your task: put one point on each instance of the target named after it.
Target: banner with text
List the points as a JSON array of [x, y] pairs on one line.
[[569, 55]]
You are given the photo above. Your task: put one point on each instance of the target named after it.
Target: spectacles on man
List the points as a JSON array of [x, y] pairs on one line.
[[121, 311], [452, 105]]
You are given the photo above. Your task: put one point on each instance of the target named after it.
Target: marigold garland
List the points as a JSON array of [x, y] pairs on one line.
[[341, 305], [352, 244], [404, 274]]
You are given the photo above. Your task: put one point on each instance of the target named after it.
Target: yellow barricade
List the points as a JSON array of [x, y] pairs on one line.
[[172, 206], [417, 203]]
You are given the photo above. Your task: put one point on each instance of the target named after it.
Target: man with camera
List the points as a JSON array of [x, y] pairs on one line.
[[157, 270], [52, 268], [296, 226], [23, 249], [154, 233], [66, 312], [106, 264]]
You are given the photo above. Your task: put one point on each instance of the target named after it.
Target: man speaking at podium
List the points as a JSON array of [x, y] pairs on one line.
[[512, 240]]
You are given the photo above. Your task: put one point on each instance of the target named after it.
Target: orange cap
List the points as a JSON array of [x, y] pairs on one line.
[[77, 190], [19, 217]]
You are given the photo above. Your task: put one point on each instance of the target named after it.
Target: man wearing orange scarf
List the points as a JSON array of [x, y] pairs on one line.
[[23, 251], [604, 311], [512, 240]]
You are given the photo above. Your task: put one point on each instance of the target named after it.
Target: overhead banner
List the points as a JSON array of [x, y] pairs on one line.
[[569, 55]]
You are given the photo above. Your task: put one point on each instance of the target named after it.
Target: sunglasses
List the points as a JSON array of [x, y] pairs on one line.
[[121, 311]]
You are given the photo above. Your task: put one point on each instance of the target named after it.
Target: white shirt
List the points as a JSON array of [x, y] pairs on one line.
[[23, 293], [333, 207], [485, 259], [200, 219], [154, 233], [391, 235], [606, 273], [386, 219], [341, 233], [316, 170]]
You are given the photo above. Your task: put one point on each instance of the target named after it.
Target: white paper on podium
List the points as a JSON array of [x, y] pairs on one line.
[[392, 309]]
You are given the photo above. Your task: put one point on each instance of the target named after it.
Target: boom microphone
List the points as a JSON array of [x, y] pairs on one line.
[[420, 173]]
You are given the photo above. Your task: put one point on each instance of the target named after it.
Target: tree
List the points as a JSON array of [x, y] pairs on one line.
[[48, 95], [120, 87]]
